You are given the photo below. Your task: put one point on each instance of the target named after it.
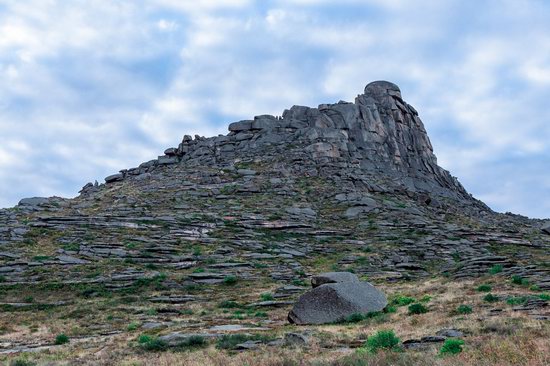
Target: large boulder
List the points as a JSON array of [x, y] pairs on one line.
[[334, 302], [34, 201], [546, 228], [333, 277]]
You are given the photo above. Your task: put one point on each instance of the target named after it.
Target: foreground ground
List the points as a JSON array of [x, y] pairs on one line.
[[502, 331]]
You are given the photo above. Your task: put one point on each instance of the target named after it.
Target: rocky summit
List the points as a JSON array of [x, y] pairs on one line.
[[198, 256]]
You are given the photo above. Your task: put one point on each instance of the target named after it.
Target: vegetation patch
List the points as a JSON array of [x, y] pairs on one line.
[[61, 339], [497, 268], [463, 309], [490, 298], [452, 346], [383, 340], [151, 343], [484, 288], [417, 309]]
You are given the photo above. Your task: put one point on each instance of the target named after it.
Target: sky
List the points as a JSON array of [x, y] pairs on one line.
[[91, 87]]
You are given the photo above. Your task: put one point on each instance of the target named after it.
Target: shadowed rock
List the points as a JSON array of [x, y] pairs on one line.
[[334, 302]]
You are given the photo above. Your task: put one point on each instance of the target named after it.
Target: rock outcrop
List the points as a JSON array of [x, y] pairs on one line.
[[379, 135]]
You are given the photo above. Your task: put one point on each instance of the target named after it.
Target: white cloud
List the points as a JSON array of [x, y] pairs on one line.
[[93, 87]]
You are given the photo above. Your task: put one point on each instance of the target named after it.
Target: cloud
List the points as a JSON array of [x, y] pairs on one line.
[[94, 87]]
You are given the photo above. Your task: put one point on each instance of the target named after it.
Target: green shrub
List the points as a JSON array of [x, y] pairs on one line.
[[61, 339], [545, 297], [22, 363], [261, 314], [238, 315], [534, 288], [464, 309], [452, 346], [518, 280], [3, 279], [297, 282], [390, 309], [228, 304], [497, 268], [133, 326], [355, 318], [266, 296], [402, 300], [382, 340], [195, 341], [490, 298], [230, 280], [517, 300], [417, 309], [484, 288], [150, 343], [28, 299], [426, 298]]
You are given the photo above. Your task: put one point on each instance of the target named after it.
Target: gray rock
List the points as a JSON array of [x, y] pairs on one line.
[[246, 172], [298, 211], [333, 277], [166, 160], [451, 333], [33, 201], [334, 302], [353, 212], [114, 178], [152, 325], [381, 87], [172, 151], [546, 228], [240, 126], [296, 339], [248, 345]]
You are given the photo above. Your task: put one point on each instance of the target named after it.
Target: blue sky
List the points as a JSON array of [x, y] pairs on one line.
[[91, 87]]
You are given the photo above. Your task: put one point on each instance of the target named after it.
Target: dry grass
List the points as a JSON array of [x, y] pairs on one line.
[[507, 338]]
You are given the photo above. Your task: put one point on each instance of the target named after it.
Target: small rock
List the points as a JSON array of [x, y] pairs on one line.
[[450, 333], [114, 178], [296, 339], [248, 345]]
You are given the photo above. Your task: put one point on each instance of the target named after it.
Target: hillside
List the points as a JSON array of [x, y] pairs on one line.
[[220, 235]]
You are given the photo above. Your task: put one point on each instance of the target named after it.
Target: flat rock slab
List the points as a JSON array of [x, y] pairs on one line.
[[234, 328], [333, 277], [334, 302]]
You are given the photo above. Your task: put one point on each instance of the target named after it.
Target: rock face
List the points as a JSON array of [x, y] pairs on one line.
[[546, 228], [334, 301]]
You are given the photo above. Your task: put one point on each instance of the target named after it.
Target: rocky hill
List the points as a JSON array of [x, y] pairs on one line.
[[218, 237]]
